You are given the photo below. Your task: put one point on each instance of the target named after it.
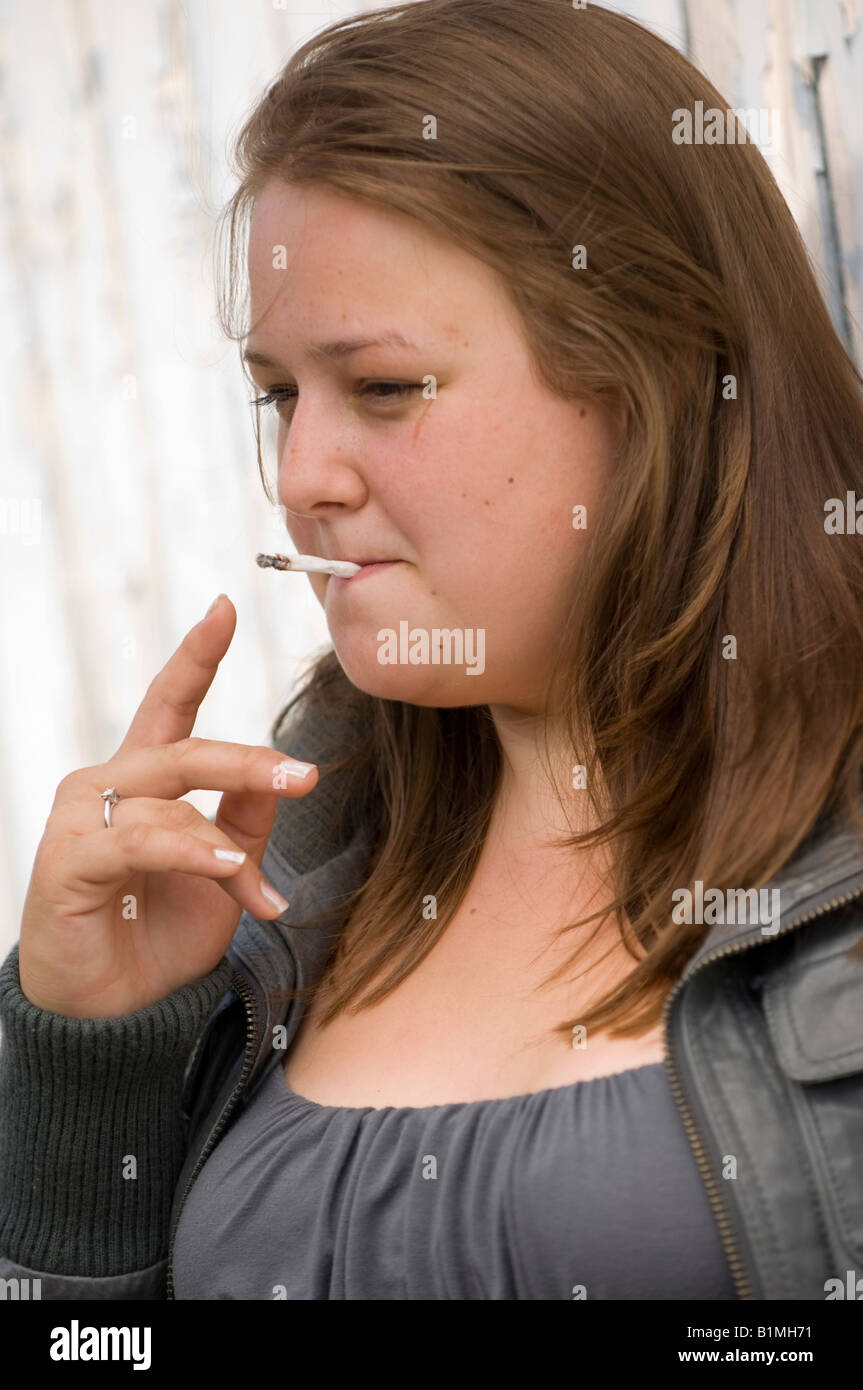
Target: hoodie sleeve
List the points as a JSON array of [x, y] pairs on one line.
[[92, 1138]]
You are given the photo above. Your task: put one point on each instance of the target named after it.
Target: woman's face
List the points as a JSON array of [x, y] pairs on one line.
[[467, 480]]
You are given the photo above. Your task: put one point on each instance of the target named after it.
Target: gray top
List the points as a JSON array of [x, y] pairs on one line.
[[527, 1197]]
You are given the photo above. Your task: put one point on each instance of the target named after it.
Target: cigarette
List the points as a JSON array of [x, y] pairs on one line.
[[342, 569]]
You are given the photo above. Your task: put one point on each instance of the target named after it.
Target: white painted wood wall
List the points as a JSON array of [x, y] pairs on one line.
[[129, 494]]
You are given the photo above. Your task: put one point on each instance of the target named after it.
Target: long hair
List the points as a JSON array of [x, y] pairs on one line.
[[711, 658]]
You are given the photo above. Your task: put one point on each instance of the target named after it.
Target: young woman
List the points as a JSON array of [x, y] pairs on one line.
[[566, 999]]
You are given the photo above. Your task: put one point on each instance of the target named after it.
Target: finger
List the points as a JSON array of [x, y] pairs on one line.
[[170, 706], [247, 834], [247, 819], [100, 858], [193, 764], [244, 820]]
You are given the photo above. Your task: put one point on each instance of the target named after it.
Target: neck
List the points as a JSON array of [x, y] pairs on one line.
[[536, 801]]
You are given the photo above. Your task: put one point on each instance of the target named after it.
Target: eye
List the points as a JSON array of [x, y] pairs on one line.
[[286, 395], [277, 396], [401, 389]]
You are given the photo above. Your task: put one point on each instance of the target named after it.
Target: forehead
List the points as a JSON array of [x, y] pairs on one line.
[[305, 211], [327, 260], [320, 237]]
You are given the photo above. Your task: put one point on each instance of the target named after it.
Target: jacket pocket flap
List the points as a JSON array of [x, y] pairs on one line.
[[814, 1010]]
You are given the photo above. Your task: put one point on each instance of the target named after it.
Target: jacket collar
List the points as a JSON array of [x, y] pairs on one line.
[[826, 867]]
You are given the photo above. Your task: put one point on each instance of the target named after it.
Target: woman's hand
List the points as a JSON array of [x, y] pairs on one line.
[[117, 918]]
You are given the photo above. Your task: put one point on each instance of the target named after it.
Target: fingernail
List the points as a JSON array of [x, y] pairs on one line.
[[275, 898], [293, 768], [213, 605], [233, 856]]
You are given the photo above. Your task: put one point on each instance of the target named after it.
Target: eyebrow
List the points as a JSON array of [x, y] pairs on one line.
[[342, 347]]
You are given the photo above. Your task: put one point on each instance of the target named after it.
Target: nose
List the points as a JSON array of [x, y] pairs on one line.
[[318, 460]]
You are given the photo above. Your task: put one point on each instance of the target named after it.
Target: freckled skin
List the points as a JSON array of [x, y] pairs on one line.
[[357, 476]]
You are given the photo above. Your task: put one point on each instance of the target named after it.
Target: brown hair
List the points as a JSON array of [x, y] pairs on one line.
[[554, 129]]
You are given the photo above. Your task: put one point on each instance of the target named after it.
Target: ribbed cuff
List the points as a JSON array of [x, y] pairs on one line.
[[92, 1138]]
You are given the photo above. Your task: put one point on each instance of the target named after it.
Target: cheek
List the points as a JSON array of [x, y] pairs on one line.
[[447, 495], [479, 483]]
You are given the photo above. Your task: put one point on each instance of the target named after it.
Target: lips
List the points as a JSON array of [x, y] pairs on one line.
[[369, 567], [367, 560]]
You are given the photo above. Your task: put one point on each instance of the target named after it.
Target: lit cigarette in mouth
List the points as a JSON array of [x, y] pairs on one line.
[[342, 569]]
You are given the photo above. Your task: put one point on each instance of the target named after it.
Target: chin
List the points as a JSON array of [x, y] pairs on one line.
[[438, 687]]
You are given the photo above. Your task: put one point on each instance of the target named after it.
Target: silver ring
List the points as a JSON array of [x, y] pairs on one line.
[[110, 798]]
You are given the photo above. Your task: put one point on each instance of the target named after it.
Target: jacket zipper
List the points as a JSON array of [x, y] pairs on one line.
[[736, 1265], [239, 983]]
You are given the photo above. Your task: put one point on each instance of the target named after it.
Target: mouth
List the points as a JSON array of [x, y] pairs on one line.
[[368, 567]]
